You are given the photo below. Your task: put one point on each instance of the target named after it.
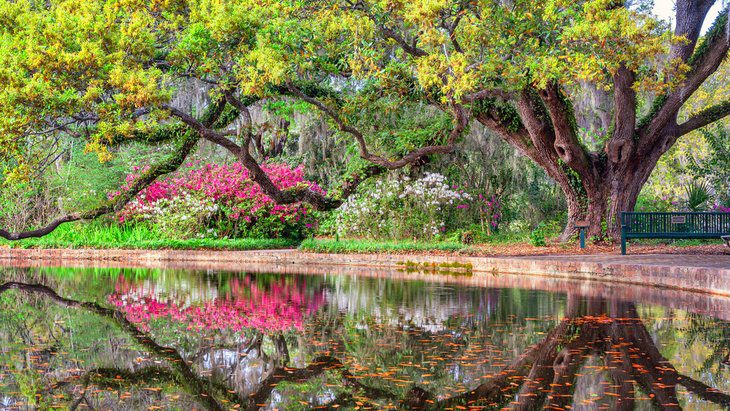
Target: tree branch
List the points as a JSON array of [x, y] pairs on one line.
[[689, 18], [621, 144], [702, 390], [185, 375], [704, 117], [257, 174], [189, 140], [566, 144], [705, 61], [305, 194], [452, 26], [317, 367], [389, 33], [461, 123], [50, 227]]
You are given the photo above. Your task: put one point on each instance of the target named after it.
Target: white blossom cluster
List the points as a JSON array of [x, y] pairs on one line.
[[185, 213], [402, 208], [432, 187]]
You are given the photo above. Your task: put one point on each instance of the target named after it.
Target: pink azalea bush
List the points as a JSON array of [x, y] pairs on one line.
[[220, 200], [490, 211], [277, 307]]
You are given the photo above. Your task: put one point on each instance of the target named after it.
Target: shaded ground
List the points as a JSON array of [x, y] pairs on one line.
[[507, 250], [674, 260]]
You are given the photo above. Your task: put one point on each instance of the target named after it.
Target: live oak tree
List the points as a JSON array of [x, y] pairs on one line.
[[104, 72], [517, 66]]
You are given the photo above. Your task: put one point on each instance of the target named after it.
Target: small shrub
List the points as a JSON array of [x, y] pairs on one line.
[[537, 236], [400, 209], [647, 203], [467, 237], [698, 195]]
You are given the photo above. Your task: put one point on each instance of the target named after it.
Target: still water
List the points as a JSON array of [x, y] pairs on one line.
[[126, 339]]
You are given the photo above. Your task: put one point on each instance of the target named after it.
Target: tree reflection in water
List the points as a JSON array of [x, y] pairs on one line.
[[280, 342]]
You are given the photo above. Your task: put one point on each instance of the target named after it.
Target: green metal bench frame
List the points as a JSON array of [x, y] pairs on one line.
[[674, 226]]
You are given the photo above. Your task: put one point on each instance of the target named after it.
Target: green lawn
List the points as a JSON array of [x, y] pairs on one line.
[[371, 246], [104, 235], [99, 235]]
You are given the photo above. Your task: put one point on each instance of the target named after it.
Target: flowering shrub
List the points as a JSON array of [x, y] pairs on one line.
[[490, 212], [220, 200], [401, 208]]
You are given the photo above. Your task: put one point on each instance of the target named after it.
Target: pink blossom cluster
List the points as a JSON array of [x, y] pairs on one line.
[[491, 209], [721, 209], [280, 307], [230, 187]]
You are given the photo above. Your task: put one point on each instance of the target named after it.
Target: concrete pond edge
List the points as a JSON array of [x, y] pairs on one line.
[[703, 274]]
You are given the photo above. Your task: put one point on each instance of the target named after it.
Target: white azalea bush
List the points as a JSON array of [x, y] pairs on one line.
[[400, 208], [182, 216]]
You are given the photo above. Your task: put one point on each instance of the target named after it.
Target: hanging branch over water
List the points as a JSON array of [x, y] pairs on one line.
[[461, 121], [187, 142], [185, 376]]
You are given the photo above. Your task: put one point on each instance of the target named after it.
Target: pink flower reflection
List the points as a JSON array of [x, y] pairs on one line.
[[281, 305]]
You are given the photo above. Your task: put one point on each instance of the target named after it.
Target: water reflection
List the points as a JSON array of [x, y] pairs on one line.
[[146, 339], [272, 304]]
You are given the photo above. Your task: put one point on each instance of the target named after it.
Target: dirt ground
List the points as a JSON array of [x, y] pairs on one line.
[[574, 249]]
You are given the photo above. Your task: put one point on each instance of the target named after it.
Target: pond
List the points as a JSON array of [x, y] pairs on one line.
[[118, 338]]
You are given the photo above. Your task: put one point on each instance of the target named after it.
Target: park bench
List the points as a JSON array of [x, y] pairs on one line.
[[674, 226]]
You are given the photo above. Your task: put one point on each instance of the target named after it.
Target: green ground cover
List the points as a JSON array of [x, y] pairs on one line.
[[326, 245], [105, 236]]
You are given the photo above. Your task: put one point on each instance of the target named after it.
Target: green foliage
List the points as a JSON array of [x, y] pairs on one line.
[[537, 236], [109, 235], [83, 182], [505, 113], [113, 60], [649, 203], [31, 386], [698, 195], [374, 246], [716, 166]]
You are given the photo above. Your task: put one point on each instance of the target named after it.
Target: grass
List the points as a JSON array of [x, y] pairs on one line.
[[105, 235], [327, 245], [112, 236]]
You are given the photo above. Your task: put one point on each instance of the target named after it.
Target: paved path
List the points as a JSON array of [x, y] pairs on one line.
[[674, 260]]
